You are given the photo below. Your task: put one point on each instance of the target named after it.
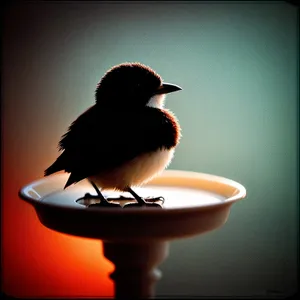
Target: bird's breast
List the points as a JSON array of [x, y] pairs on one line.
[[170, 131], [135, 172]]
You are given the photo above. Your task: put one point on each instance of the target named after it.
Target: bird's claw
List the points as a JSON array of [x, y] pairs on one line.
[[104, 204], [148, 202], [147, 199], [121, 198], [145, 204], [89, 196], [155, 199]]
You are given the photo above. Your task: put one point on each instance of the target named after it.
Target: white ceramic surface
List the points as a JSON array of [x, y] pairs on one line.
[[194, 203], [136, 239]]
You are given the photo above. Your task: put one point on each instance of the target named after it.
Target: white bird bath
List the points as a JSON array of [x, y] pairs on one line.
[[137, 239]]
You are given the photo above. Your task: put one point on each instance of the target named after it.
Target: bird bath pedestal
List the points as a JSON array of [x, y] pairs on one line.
[[137, 239]]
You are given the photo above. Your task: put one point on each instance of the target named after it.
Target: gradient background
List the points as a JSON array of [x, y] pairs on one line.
[[237, 63]]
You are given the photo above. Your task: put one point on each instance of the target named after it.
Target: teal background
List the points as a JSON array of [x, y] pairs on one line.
[[237, 64]]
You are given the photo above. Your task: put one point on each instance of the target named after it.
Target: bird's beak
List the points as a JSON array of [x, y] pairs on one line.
[[166, 88]]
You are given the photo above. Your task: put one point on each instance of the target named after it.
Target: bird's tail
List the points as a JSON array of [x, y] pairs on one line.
[[55, 167]]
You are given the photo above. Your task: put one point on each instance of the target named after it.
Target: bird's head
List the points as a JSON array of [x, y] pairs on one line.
[[132, 85]]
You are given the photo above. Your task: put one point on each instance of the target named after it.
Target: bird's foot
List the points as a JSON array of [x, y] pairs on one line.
[[121, 198], [103, 202], [89, 196], [147, 202], [155, 199], [147, 199]]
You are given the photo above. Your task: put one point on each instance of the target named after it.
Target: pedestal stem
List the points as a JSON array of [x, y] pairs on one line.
[[135, 263]]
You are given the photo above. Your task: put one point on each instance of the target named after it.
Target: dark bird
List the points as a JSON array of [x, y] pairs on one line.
[[126, 138]]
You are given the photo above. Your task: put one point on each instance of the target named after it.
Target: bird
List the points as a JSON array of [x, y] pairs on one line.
[[125, 139]]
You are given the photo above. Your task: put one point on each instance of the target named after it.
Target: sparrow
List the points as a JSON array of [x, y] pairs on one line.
[[125, 139]]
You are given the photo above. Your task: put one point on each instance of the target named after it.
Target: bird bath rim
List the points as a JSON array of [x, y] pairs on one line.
[[137, 224], [231, 190]]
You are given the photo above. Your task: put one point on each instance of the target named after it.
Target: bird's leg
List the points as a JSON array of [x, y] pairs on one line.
[[141, 202], [104, 202]]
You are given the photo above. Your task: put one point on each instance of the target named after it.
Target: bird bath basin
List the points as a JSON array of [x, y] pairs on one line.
[[137, 239]]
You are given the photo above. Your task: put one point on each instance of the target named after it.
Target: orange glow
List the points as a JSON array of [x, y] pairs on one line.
[[39, 262]]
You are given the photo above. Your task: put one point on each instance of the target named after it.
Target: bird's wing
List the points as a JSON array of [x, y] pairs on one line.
[[101, 140]]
